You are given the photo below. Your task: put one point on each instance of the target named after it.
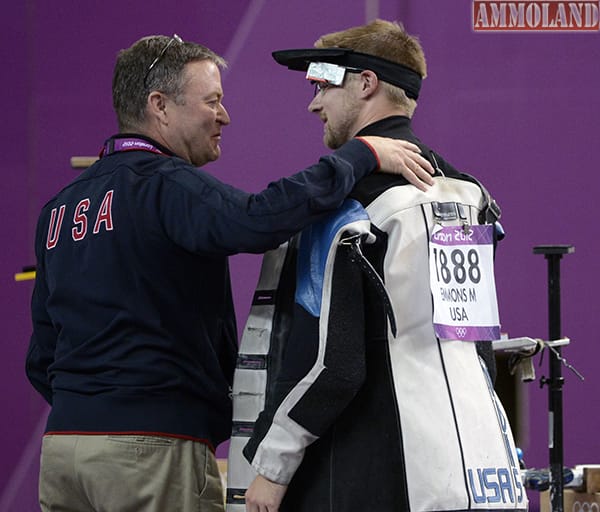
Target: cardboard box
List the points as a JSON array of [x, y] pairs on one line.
[[573, 501], [591, 478]]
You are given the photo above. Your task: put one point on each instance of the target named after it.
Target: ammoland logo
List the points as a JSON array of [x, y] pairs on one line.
[[533, 15]]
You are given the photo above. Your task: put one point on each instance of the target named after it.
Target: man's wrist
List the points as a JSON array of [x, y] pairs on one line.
[[364, 141], [360, 155]]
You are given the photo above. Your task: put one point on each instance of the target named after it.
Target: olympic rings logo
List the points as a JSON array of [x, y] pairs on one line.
[[461, 332], [585, 506]]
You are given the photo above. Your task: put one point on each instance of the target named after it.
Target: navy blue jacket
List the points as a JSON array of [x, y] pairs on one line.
[[133, 320]]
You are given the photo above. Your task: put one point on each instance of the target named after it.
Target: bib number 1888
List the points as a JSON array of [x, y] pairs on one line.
[[460, 266]]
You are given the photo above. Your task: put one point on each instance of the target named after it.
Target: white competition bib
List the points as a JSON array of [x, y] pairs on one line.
[[461, 268]]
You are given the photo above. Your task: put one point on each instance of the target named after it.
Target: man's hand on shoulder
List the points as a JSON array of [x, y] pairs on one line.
[[402, 157]]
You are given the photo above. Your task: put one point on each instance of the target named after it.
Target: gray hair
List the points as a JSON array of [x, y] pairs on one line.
[[133, 81]]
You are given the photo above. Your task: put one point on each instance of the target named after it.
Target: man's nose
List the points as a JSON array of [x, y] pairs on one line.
[[223, 116], [315, 105]]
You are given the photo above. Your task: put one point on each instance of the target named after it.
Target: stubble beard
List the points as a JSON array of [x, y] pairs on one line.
[[337, 135], [336, 138]]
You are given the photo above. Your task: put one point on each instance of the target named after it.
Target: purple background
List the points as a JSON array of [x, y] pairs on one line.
[[519, 110]]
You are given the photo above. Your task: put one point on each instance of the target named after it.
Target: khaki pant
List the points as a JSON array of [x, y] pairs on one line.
[[128, 473]]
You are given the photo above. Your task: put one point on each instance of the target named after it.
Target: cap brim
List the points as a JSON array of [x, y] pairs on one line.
[[299, 59], [387, 71]]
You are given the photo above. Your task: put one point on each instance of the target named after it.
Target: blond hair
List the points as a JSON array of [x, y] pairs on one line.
[[387, 40]]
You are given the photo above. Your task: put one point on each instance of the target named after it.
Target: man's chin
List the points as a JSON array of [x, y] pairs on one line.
[[330, 143], [206, 158], [215, 154]]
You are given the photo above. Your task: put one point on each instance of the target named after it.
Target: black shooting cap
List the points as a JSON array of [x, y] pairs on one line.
[[386, 70]]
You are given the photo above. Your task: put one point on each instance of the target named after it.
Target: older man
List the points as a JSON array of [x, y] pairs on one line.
[[134, 337]]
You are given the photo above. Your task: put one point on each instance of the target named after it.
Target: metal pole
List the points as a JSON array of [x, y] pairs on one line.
[[553, 254]]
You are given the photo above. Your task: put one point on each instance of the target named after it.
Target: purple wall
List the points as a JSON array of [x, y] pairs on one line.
[[520, 110]]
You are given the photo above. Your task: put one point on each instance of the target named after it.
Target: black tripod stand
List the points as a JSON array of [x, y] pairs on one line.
[[553, 254]]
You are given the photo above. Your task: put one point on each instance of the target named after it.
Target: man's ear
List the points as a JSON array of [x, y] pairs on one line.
[[369, 83], [157, 106]]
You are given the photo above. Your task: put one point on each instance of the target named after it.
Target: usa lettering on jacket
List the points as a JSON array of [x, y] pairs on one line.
[[80, 220]]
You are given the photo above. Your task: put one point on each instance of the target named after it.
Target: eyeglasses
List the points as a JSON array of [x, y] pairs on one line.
[[323, 85], [174, 39]]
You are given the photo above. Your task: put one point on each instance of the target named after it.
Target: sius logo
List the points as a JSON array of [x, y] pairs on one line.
[[535, 15]]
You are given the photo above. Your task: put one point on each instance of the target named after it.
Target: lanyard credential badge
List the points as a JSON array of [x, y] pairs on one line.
[[461, 267]]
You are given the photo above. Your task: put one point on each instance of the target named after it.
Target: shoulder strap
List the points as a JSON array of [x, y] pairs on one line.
[[356, 256]]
